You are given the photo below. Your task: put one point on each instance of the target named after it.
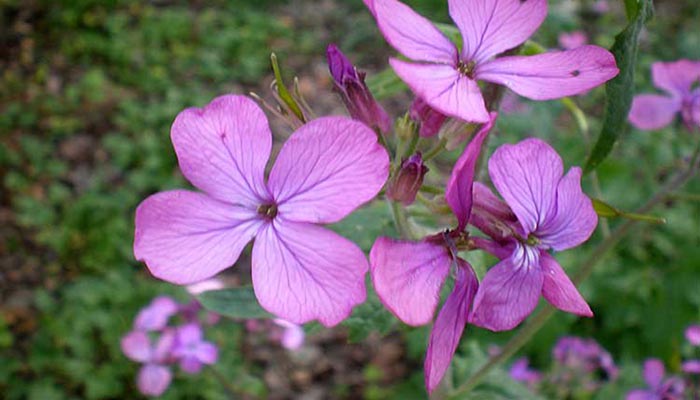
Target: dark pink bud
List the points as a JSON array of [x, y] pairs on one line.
[[430, 119], [355, 94], [404, 186]]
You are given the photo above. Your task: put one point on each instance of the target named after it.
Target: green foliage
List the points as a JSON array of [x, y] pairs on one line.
[[620, 90], [238, 303]]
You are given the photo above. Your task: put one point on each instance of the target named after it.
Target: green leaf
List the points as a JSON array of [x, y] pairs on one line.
[[234, 303], [605, 210], [385, 84], [366, 224], [619, 91]]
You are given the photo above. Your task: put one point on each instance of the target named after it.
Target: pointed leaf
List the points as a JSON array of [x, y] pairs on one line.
[[620, 90]]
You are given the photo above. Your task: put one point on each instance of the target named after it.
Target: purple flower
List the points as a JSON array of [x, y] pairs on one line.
[[584, 356], [430, 119], [154, 377], [692, 334], [659, 388], [408, 275], [691, 367], [191, 350], [654, 111], [405, 185], [553, 213], [325, 170], [354, 92], [154, 317], [572, 40], [447, 79], [521, 372]]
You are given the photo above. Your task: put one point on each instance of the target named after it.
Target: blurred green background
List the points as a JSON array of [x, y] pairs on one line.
[[88, 90]]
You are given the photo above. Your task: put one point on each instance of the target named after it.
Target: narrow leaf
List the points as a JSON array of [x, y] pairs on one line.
[[605, 210], [619, 91], [282, 90], [234, 303]]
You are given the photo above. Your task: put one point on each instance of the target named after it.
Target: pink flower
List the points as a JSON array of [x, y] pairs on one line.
[[154, 317], [408, 275], [552, 213], [430, 120], [154, 377], [447, 79], [521, 372], [659, 388], [691, 367], [572, 40], [191, 350], [692, 334], [327, 168], [654, 111]]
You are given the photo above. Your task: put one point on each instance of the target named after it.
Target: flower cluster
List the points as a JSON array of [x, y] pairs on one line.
[[330, 166], [157, 344], [579, 368]]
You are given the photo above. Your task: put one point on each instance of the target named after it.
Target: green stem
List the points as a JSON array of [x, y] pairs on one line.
[[400, 220], [431, 189], [534, 324], [432, 153]]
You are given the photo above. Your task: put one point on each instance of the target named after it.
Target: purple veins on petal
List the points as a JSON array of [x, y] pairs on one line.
[[407, 277], [327, 168], [446, 79], [449, 325]]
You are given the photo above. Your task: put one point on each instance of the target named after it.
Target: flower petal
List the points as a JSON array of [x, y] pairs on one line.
[[407, 277], [190, 364], [639, 394], [155, 316], [449, 325], [207, 353], [326, 169], [559, 290], [153, 379], [459, 186], [189, 334], [507, 295], [303, 272], [411, 34], [137, 346], [444, 89], [490, 27], [653, 111], [223, 148], [676, 77], [552, 75], [654, 372], [526, 175], [185, 237], [574, 219]]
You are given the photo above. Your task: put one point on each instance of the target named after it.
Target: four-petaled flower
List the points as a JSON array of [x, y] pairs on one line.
[[408, 275], [654, 111], [446, 78], [154, 376], [325, 170], [552, 213], [192, 350]]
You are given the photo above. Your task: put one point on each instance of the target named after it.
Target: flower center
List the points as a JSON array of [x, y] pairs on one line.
[[466, 69], [268, 211], [532, 240]]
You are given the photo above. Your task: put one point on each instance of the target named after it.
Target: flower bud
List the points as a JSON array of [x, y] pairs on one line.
[[430, 119], [354, 92], [404, 186]]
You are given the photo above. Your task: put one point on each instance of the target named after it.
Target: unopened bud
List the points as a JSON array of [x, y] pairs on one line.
[[404, 186], [430, 119], [354, 91]]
